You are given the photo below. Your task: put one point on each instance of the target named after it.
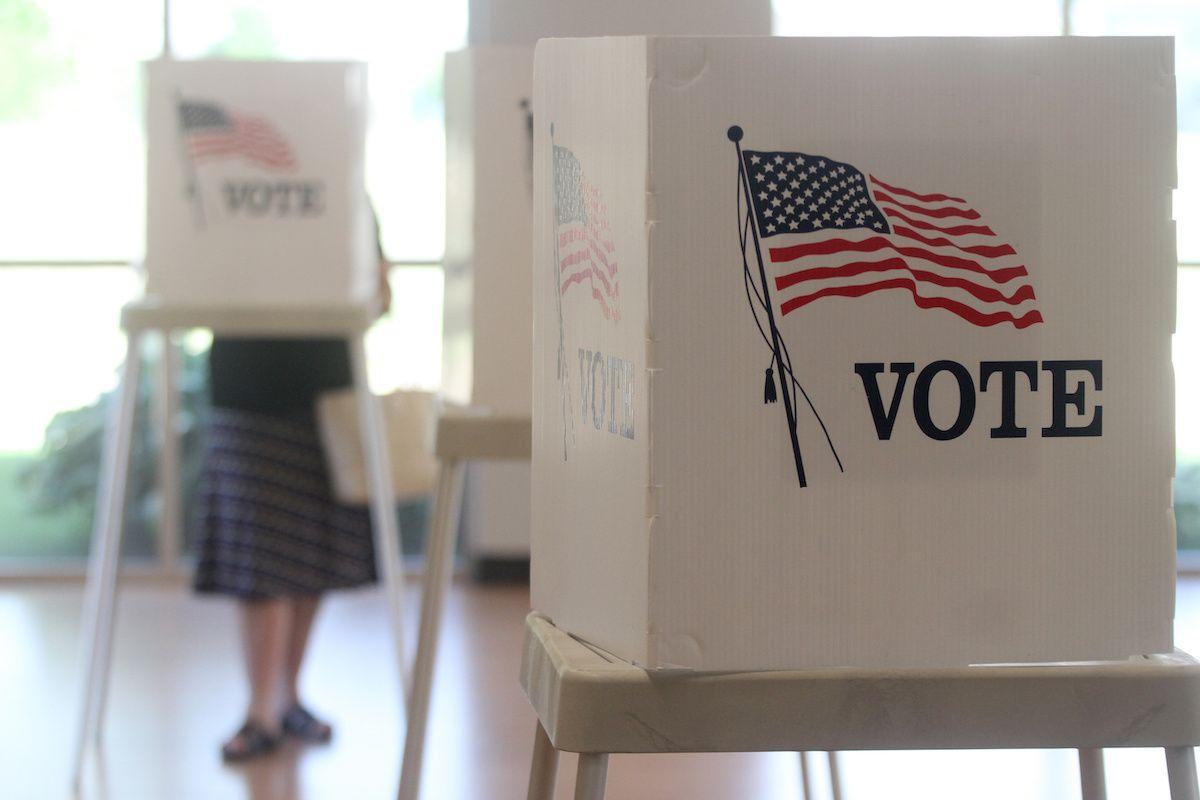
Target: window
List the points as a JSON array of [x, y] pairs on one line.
[[52, 423], [71, 142], [72, 151]]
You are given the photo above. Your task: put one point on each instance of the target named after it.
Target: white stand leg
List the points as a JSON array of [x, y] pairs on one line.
[[105, 555], [439, 563], [1091, 774], [170, 527], [835, 776], [1181, 773], [805, 779], [383, 503], [544, 768], [591, 777]]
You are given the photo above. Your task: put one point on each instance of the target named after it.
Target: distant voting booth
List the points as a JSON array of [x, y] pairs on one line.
[[488, 330], [257, 225], [488, 333], [255, 184], [854, 351]]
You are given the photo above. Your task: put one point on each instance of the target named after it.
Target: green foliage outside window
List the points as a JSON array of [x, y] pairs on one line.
[[29, 65], [59, 485]]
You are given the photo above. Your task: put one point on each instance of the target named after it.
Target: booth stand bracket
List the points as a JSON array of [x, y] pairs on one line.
[[591, 703]]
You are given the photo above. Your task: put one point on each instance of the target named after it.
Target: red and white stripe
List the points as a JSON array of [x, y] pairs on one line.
[[587, 255], [939, 251], [251, 137]]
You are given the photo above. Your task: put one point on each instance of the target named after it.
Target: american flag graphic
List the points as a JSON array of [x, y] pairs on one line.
[[586, 254], [831, 230], [210, 133]]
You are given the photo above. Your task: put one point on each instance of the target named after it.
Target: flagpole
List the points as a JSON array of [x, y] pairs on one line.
[[193, 189], [735, 135], [563, 380]]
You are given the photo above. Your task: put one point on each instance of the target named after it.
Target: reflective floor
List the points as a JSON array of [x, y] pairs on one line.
[[177, 691]]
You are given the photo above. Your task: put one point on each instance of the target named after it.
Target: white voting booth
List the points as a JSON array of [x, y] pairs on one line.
[[851, 371], [257, 225], [865, 343], [255, 184]]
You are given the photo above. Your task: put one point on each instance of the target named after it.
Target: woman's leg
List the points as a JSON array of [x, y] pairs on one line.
[[297, 720], [303, 612], [266, 628]]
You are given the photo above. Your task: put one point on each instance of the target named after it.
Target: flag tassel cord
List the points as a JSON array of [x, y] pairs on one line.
[[783, 365], [735, 136], [786, 367]]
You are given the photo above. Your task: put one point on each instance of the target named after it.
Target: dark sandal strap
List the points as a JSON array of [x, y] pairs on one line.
[[251, 740], [299, 722]]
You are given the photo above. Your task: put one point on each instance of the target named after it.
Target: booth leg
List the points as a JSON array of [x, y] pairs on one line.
[[1181, 773], [101, 589], [835, 776], [544, 768], [383, 503], [170, 527], [591, 777], [439, 563], [805, 778], [1091, 773]]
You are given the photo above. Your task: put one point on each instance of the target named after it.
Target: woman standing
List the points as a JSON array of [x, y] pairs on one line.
[[271, 534]]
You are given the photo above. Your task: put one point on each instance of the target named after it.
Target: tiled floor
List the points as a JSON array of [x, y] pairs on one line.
[[177, 691]]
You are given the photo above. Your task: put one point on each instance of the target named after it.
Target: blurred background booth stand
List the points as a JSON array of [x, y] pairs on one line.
[[461, 437], [149, 317]]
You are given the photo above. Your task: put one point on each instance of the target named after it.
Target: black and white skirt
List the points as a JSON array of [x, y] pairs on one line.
[[268, 525]]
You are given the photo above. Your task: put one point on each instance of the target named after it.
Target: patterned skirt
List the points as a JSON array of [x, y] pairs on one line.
[[268, 525]]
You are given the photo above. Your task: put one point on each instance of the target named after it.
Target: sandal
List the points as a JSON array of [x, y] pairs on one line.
[[251, 741], [299, 723]]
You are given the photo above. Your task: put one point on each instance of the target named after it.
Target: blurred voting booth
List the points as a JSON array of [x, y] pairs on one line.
[[488, 328], [253, 200], [257, 224], [854, 351]]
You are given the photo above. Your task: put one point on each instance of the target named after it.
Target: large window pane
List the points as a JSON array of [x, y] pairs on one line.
[[60, 367], [72, 155], [404, 349], [403, 44], [71, 347], [1187, 402]]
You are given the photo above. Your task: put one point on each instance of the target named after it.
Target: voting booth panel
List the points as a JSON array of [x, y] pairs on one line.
[[854, 352], [489, 185], [487, 330], [255, 184], [524, 22]]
